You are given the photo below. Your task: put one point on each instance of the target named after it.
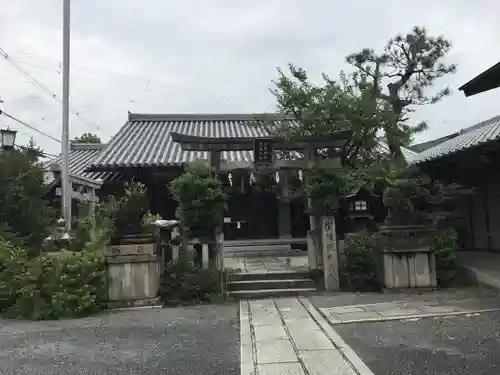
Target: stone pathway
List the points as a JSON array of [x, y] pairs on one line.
[[398, 310], [289, 336]]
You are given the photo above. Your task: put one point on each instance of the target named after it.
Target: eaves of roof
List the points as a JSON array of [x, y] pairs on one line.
[[487, 80]]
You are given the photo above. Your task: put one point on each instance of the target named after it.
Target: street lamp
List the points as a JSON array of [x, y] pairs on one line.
[[8, 138]]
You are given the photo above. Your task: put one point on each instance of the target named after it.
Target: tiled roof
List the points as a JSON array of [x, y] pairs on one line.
[[408, 154], [145, 140], [80, 157], [479, 134]]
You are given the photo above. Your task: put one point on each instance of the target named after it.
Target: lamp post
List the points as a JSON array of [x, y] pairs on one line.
[[8, 138]]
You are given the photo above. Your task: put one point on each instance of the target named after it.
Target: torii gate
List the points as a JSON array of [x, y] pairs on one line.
[[322, 243]]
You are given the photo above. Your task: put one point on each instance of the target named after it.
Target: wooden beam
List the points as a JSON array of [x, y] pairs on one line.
[[195, 143], [278, 165]]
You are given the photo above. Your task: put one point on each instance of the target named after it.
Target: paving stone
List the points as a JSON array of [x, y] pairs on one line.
[[270, 333], [291, 315], [386, 306], [246, 338], [400, 312], [248, 371], [271, 320], [323, 362], [281, 369], [344, 310], [275, 352], [287, 302], [341, 318], [246, 356], [311, 340], [303, 324], [439, 309], [262, 306]]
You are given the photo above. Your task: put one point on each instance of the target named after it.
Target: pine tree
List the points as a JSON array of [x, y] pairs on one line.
[[399, 78]]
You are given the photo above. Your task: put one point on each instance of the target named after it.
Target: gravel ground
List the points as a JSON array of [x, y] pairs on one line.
[[188, 341], [434, 346]]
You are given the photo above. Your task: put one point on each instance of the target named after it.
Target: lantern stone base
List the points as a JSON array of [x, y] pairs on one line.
[[408, 262]]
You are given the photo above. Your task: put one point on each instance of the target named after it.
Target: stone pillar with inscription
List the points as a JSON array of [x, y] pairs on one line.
[[330, 256], [313, 235]]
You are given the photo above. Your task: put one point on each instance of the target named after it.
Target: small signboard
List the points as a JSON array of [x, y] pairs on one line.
[[263, 153]]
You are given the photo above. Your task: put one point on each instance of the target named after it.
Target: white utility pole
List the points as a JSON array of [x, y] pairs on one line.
[[65, 183]]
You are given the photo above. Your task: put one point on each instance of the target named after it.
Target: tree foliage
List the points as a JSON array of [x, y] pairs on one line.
[[32, 151], [25, 214], [201, 200], [400, 78], [87, 138], [326, 109]]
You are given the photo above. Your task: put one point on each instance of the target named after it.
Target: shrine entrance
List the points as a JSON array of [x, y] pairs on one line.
[[259, 222]]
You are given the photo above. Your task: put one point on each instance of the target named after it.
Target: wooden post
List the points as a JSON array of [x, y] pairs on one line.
[[284, 218], [215, 162], [330, 257], [204, 255]]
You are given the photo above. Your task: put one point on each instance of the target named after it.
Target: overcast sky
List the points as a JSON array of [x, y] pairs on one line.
[[220, 56]]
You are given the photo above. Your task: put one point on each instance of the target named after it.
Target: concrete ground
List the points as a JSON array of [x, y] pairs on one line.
[[187, 341]]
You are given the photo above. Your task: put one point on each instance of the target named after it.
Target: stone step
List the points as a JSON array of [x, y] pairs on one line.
[[276, 275], [265, 293], [270, 284], [263, 253], [260, 250]]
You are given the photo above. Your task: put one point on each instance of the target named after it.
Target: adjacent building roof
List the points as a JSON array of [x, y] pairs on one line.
[[408, 154], [80, 157], [487, 80], [474, 136], [419, 147], [145, 141]]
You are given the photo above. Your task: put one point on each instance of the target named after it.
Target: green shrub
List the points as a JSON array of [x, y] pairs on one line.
[[445, 246], [63, 285], [201, 201], [13, 273], [362, 265], [183, 283]]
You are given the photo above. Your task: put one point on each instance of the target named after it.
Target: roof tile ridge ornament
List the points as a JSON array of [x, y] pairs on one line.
[[86, 146]]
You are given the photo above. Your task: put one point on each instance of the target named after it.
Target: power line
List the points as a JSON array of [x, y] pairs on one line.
[[42, 87], [92, 69], [2, 112]]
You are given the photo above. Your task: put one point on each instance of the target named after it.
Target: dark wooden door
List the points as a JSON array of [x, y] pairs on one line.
[[257, 213]]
